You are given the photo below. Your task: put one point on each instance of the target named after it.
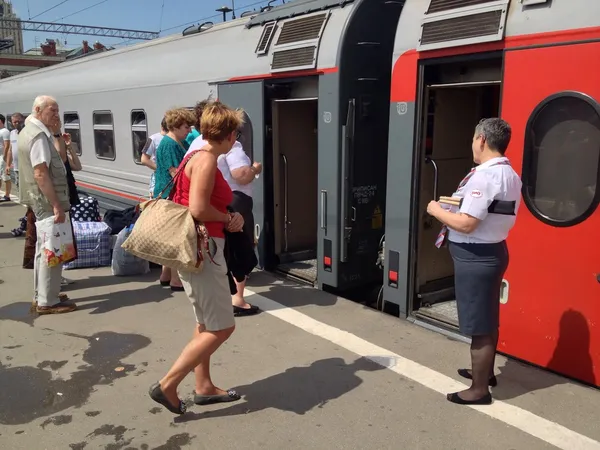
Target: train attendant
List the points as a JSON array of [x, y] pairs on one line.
[[205, 192], [477, 242], [239, 172], [148, 157], [169, 155]]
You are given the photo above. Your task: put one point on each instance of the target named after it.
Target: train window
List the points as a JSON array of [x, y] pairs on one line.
[[139, 133], [246, 137], [561, 163], [104, 135], [71, 125]]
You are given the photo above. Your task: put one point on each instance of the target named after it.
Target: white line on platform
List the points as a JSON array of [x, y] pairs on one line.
[[519, 418]]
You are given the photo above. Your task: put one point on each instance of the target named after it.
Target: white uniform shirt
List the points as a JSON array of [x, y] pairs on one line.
[[236, 158], [491, 181], [14, 135]]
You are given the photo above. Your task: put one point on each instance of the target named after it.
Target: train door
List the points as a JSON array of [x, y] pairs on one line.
[[250, 97], [455, 97], [551, 310], [295, 175]]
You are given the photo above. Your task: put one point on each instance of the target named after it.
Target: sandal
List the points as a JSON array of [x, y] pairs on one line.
[[466, 374], [158, 396], [165, 283], [177, 289]]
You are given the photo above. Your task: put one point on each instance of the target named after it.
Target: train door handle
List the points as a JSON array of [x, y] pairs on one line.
[[428, 160]]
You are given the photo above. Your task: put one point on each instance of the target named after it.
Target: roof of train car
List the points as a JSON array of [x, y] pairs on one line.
[[170, 60], [293, 9]]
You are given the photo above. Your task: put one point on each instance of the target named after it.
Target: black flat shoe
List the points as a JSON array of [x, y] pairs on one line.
[[455, 398], [177, 289], [231, 396], [165, 283], [158, 396], [466, 374], [240, 312]]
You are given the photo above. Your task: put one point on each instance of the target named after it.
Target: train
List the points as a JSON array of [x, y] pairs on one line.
[[362, 111]]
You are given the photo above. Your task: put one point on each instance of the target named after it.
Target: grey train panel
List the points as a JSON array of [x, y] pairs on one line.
[[250, 97], [329, 178], [398, 210]]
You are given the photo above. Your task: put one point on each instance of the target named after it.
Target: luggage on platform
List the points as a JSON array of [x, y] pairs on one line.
[[93, 245], [123, 262], [87, 210]]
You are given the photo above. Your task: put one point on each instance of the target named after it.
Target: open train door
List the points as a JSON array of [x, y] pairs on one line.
[[550, 314], [250, 97]]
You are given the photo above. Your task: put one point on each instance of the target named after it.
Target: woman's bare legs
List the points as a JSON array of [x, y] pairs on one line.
[[204, 384], [165, 275], [196, 354], [175, 281], [238, 299]]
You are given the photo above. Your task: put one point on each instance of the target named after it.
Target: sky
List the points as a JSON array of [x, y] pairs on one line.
[[144, 15]]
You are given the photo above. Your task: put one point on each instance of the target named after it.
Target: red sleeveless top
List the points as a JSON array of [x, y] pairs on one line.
[[221, 197]]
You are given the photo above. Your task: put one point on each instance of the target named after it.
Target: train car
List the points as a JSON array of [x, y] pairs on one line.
[[314, 78], [536, 64]]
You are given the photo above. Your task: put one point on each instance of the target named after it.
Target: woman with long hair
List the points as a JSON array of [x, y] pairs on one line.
[[202, 188]]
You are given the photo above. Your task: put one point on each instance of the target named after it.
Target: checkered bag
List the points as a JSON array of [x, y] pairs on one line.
[[87, 210], [93, 245], [166, 233]]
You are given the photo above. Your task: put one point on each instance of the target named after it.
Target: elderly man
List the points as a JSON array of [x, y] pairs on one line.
[[43, 187]]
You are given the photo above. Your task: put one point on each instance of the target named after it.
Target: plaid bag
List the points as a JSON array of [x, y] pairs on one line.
[[93, 242]]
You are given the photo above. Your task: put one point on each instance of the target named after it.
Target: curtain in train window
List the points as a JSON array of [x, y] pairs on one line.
[[561, 165], [245, 137], [139, 134], [72, 127], [104, 136]]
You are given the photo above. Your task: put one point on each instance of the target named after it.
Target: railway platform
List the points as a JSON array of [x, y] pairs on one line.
[[315, 372]]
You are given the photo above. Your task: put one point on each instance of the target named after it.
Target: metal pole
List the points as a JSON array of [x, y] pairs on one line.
[[233, 9]]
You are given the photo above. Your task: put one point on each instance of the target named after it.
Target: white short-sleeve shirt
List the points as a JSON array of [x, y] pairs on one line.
[[236, 158], [4, 138], [40, 147], [492, 180]]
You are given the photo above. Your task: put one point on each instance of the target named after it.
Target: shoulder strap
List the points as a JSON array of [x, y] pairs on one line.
[[171, 183]]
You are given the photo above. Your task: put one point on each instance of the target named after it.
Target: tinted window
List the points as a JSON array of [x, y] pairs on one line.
[[246, 136], [139, 134], [104, 136], [71, 124], [562, 159]]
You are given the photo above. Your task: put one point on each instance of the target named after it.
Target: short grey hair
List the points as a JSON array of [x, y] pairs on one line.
[[41, 102], [496, 132]]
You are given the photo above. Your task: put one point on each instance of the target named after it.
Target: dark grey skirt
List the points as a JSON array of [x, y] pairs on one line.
[[478, 273], [243, 204]]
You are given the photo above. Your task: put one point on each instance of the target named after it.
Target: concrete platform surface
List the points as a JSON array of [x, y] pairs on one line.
[[315, 372]]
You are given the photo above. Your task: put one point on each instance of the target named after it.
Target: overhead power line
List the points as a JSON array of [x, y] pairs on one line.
[[49, 9], [65, 28], [80, 11]]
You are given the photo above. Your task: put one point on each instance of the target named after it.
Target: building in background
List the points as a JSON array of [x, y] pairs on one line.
[[10, 32]]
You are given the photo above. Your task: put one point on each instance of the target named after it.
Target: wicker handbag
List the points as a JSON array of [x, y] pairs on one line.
[[166, 233]]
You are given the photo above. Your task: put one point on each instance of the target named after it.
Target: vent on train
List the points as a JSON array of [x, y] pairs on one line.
[[473, 23], [265, 38], [303, 29], [297, 42], [445, 5], [294, 59]]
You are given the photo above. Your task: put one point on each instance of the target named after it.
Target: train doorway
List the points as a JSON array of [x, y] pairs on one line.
[[295, 184], [455, 97]]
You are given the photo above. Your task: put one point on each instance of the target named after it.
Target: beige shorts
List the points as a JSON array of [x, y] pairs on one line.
[[209, 292], [3, 175]]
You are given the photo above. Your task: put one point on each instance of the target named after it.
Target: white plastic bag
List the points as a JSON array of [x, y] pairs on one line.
[[57, 240], [124, 263]]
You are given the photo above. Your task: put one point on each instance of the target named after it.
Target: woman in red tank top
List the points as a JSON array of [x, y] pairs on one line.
[[202, 188]]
